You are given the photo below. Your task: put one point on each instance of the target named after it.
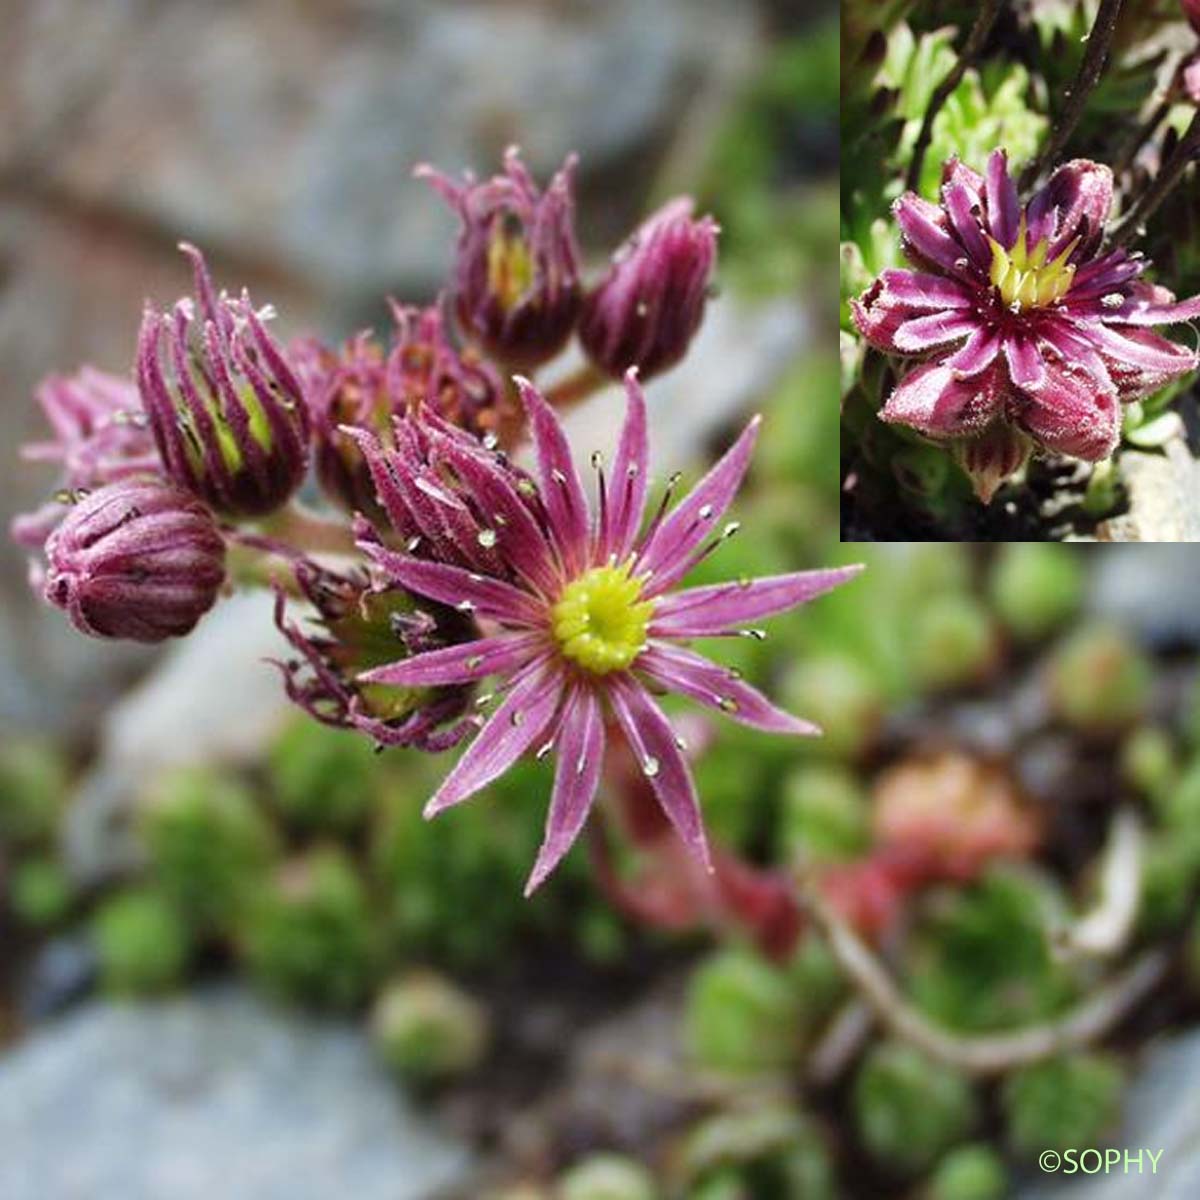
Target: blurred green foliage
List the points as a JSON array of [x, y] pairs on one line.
[[141, 941], [1061, 1103]]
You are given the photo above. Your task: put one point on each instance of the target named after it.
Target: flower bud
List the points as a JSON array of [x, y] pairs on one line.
[[226, 409], [991, 458], [742, 1015], [360, 627], [1099, 681], [310, 936], [427, 1029], [972, 1172], [647, 309], [139, 559], [363, 386], [1062, 1102], [1036, 587], [515, 286], [908, 1108], [142, 943]]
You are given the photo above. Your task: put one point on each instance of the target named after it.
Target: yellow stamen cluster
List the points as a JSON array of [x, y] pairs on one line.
[[510, 267], [1024, 278], [600, 619]]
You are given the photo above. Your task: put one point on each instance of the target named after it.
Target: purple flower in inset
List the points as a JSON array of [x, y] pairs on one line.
[[647, 309], [366, 386], [515, 286], [1023, 318], [358, 625], [139, 559], [582, 616], [226, 409]]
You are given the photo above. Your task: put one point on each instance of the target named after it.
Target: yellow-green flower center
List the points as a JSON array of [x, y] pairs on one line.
[[600, 619], [510, 266], [1024, 278]]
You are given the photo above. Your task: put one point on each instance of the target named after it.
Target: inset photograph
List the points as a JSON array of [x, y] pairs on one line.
[[1020, 263]]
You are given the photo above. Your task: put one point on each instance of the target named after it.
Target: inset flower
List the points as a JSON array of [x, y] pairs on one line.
[[1021, 316]]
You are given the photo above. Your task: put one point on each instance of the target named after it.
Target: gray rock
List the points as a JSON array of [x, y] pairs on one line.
[[210, 1095], [289, 133], [1162, 1113], [1150, 589]]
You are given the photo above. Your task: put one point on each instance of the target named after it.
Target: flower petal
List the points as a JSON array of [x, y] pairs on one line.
[[457, 587], [959, 204], [519, 539], [877, 314], [654, 743], [977, 353], [1069, 415], [1140, 361], [1003, 209], [692, 675], [627, 488], [1026, 367], [923, 225], [516, 724], [933, 400], [667, 552], [934, 329], [1076, 202], [719, 608], [580, 756], [562, 492], [464, 663], [920, 290]]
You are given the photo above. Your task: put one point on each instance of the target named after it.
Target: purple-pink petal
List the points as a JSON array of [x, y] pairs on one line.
[[580, 755], [653, 742], [933, 400], [519, 721], [562, 491], [1026, 368], [959, 204], [627, 487], [1003, 209], [920, 290], [716, 687], [462, 589], [719, 608], [667, 553], [923, 226], [465, 663], [977, 353], [935, 329], [1070, 416]]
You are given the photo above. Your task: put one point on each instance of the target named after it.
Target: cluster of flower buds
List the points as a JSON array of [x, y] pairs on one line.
[[516, 287], [365, 386], [457, 565]]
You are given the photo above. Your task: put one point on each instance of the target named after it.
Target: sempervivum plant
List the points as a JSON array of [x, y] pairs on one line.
[[443, 561], [1027, 331]]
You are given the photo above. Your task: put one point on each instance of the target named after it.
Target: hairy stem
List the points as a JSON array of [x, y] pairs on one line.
[[309, 532], [1169, 175], [989, 10], [1090, 69], [986, 1054], [576, 387]]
